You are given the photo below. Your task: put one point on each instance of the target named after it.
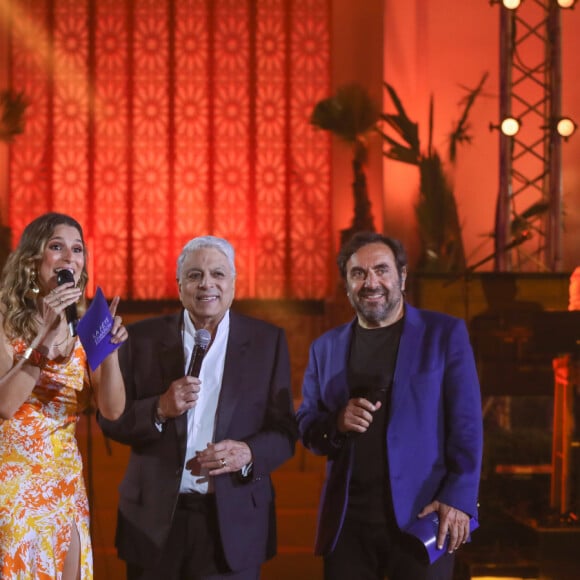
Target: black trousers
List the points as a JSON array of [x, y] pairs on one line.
[[193, 550], [373, 551]]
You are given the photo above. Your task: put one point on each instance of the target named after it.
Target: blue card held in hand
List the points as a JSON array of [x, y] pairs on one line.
[[94, 330], [425, 530]]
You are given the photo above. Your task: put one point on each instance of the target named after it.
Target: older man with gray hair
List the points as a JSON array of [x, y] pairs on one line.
[[197, 498]]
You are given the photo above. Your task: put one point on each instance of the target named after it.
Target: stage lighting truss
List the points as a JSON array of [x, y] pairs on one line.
[[514, 4], [530, 180]]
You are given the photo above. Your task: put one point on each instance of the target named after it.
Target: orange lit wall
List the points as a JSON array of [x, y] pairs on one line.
[[198, 122], [436, 47]]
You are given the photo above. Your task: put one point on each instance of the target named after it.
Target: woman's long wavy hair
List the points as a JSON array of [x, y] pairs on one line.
[[20, 273]]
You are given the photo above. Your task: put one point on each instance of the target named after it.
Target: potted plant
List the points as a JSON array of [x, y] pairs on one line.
[[442, 248], [351, 114]]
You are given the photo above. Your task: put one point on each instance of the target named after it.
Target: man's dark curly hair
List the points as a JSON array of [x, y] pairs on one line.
[[361, 239]]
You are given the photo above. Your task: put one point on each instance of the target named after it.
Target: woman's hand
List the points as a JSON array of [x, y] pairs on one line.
[[107, 378], [55, 303], [118, 331]]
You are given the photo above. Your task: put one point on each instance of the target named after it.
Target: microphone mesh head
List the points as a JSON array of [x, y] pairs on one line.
[[202, 337], [64, 276]]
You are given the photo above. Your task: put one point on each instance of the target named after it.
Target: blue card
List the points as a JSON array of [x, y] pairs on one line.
[[94, 330], [426, 529]]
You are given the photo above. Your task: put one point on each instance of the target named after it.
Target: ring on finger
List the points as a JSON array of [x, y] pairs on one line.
[[223, 462]]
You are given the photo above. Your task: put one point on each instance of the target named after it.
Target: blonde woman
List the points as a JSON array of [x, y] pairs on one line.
[[45, 385]]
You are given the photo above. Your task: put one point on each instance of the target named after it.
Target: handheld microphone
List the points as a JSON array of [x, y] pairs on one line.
[[201, 342], [370, 387], [63, 276]]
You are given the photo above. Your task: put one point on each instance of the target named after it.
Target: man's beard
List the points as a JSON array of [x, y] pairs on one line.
[[377, 312]]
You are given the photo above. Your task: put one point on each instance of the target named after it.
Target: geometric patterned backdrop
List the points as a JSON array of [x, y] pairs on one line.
[[153, 121]]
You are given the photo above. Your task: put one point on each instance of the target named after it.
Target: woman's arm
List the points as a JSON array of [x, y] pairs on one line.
[[18, 377], [19, 374]]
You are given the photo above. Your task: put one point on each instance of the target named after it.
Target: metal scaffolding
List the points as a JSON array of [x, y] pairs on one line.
[[528, 228]]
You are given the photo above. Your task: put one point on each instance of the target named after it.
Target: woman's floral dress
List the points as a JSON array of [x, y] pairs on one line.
[[42, 491]]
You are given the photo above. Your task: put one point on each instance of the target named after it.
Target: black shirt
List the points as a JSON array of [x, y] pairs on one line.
[[371, 367]]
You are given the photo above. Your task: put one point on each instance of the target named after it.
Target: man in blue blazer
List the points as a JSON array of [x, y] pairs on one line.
[[392, 399], [197, 500]]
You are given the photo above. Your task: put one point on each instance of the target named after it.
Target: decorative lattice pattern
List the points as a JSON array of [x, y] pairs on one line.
[[155, 121]]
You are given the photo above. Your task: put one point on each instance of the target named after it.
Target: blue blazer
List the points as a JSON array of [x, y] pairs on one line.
[[434, 436], [255, 406]]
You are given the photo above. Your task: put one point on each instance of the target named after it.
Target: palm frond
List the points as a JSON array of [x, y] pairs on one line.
[[461, 132], [399, 152], [536, 209], [400, 122], [431, 123]]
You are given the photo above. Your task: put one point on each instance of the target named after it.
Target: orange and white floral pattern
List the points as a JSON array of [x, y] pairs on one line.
[[42, 491]]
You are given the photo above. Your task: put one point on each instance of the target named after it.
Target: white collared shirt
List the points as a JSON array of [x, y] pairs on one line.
[[201, 418]]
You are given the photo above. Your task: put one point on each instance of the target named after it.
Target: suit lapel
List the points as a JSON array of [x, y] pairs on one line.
[[339, 389], [234, 371], [172, 367], [406, 358]]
